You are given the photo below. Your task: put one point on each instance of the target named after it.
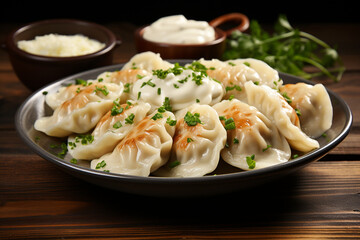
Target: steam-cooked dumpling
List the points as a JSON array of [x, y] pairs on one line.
[[253, 141], [268, 75], [233, 76], [148, 61], [313, 104], [82, 112], [273, 105], [181, 86], [146, 147], [111, 128], [198, 140]]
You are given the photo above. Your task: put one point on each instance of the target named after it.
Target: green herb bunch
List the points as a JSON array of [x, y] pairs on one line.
[[287, 50]]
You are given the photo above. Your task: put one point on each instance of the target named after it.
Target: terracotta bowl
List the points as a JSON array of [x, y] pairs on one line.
[[35, 71], [213, 49]]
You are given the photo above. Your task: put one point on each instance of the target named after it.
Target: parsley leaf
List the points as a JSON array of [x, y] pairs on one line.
[[287, 50], [130, 119], [250, 161], [102, 89], [162, 74], [192, 119], [167, 105], [127, 88], [84, 139], [230, 124], [170, 121], [117, 125], [101, 164], [157, 116], [174, 164]]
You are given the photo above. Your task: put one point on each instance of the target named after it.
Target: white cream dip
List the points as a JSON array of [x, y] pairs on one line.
[[56, 45], [177, 29], [183, 88]]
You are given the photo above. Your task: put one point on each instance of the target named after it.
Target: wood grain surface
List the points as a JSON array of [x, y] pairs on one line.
[[320, 201]]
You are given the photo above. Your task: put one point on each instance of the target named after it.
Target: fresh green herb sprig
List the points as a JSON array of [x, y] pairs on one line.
[[287, 50]]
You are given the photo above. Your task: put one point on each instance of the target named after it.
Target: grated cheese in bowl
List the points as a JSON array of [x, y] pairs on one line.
[[56, 45]]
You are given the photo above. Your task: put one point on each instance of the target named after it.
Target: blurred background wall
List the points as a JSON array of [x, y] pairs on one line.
[[144, 12]]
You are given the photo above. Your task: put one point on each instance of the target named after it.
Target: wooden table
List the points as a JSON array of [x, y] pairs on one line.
[[321, 201]]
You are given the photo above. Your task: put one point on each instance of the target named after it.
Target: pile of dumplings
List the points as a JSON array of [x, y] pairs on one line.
[[157, 118]]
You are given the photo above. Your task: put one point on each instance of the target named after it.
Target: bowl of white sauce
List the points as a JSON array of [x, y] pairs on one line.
[[176, 37], [45, 51]]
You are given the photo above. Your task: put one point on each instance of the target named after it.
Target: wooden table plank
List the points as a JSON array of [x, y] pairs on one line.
[[322, 194]]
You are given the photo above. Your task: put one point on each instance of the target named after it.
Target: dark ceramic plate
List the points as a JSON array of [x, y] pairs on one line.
[[226, 180]]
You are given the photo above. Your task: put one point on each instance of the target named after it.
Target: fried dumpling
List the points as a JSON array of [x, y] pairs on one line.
[[111, 128], [274, 106], [123, 76], [148, 61], [82, 112], [198, 140], [143, 150], [55, 99], [127, 77], [253, 141], [313, 104]]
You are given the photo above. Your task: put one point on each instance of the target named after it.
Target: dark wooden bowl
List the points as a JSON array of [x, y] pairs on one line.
[[213, 49], [35, 71]]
